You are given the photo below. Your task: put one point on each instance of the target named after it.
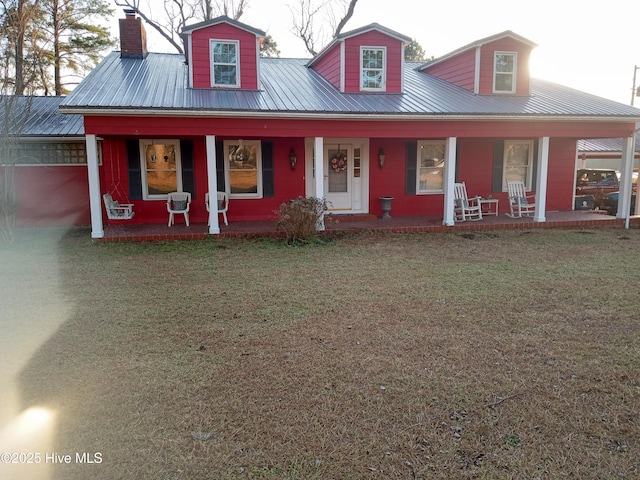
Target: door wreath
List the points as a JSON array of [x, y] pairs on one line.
[[339, 163]]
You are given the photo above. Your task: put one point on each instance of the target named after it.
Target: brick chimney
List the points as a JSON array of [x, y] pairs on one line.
[[133, 37]]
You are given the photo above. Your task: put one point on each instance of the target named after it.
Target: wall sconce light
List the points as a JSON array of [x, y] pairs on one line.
[[293, 159], [381, 157]]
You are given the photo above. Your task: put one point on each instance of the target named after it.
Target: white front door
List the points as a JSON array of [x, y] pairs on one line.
[[338, 176]]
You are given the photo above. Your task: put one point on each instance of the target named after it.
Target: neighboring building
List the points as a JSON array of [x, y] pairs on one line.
[[604, 153], [353, 124], [51, 166]]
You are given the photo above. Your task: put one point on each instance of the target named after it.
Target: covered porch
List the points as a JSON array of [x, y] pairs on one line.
[[579, 219]]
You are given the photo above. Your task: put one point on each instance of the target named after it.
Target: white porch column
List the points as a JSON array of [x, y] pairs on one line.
[[318, 166], [541, 180], [626, 180], [449, 180], [212, 184], [97, 228]]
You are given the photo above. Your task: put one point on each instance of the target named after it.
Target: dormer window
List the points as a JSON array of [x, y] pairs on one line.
[[504, 72], [225, 67], [372, 67]]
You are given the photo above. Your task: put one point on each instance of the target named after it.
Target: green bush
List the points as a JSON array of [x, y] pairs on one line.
[[299, 217]]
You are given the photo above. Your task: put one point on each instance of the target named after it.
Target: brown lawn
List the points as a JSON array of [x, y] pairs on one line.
[[510, 355]]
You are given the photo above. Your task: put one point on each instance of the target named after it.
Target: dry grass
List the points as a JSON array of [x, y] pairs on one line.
[[494, 355]]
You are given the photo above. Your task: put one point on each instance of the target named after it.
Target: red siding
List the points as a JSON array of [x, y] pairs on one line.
[[459, 70], [171, 127], [201, 59], [52, 195], [329, 66], [288, 183], [394, 60], [487, 59]]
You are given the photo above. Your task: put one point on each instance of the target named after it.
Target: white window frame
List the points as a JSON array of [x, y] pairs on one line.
[[383, 70], [143, 166], [513, 73], [212, 43], [422, 143], [227, 167], [529, 175]]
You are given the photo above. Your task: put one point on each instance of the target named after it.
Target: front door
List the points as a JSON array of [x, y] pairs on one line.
[[338, 179]]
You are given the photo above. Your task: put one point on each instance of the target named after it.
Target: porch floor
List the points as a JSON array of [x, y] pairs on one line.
[[155, 232]]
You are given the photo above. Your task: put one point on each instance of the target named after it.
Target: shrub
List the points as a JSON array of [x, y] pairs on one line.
[[299, 217]]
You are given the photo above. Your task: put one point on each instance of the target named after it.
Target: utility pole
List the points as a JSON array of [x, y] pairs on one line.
[[635, 92]]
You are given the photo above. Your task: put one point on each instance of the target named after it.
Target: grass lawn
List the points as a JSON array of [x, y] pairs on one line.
[[493, 355]]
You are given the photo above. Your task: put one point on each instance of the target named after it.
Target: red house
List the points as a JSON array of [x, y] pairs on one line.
[[355, 123]]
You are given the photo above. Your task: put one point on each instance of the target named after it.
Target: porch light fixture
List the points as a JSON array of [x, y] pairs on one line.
[[381, 157], [293, 159]]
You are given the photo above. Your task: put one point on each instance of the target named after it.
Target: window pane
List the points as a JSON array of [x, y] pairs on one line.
[[161, 182], [504, 83], [243, 181], [371, 79], [431, 179], [504, 63], [160, 156], [224, 74], [224, 53]]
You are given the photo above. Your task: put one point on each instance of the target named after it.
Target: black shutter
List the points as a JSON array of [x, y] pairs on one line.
[[411, 165], [534, 168], [498, 163], [186, 159], [220, 161], [268, 190], [135, 169]]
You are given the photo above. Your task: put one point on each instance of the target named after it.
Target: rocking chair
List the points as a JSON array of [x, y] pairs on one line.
[[466, 208], [519, 203]]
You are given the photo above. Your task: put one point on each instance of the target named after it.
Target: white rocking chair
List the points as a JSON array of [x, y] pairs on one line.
[[466, 208], [178, 203], [519, 203], [116, 210], [223, 205]]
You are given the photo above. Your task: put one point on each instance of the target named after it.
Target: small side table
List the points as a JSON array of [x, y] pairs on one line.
[[491, 206]]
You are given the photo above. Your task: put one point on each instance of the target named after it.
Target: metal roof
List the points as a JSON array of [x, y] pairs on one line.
[[604, 145], [158, 84], [44, 118]]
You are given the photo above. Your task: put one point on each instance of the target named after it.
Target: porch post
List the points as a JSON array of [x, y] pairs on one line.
[[449, 180], [212, 184], [541, 180], [318, 165], [97, 229], [626, 182]]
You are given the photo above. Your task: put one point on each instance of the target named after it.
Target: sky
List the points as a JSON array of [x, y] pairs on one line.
[[591, 46]]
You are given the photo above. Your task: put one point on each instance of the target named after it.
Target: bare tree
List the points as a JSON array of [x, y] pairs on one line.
[[310, 15], [179, 13], [14, 112]]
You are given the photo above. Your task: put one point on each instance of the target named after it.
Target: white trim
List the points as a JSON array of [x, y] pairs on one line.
[[95, 202], [514, 73], [342, 67], [212, 184], [190, 60], [476, 73], [143, 165], [345, 116], [624, 197], [444, 168], [541, 180], [449, 180], [257, 63], [213, 41], [383, 87], [318, 165], [227, 168], [402, 49]]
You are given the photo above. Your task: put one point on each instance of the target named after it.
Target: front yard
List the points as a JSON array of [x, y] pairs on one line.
[[507, 354]]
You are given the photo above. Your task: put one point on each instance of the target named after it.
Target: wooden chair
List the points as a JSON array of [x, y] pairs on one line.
[[466, 208], [178, 203], [519, 203], [223, 205], [116, 210]]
